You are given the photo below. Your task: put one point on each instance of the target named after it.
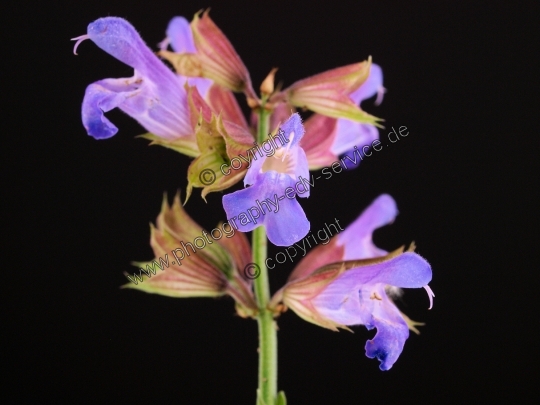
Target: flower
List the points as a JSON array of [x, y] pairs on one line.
[[327, 138], [329, 93], [212, 57], [347, 282], [180, 38], [196, 263], [275, 181], [154, 96]]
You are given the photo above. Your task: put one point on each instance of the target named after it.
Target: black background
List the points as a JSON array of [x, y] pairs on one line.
[[459, 76]]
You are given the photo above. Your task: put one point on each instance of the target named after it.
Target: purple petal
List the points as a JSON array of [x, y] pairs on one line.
[[357, 237], [264, 203], [301, 169], [180, 36], [289, 225], [350, 134], [97, 101], [293, 163], [293, 125], [392, 331], [373, 85], [344, 303], [136, 96], [255, 169], [408, 270]]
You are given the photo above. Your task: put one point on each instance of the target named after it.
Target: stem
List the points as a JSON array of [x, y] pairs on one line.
[[265, 320]]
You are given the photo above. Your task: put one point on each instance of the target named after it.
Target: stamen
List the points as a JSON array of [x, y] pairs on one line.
[[375, 296], [380, 94], [430, 295], [164, 44], [79, 40]]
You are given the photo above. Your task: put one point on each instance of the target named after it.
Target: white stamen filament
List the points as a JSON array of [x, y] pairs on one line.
[[430, 295], [163, 45], [380, 94], [79, 40]]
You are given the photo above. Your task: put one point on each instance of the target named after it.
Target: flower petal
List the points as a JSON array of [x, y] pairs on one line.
[[343, 302], [119, 38], [180, 36], [284, 219], [293, 130], [408, 270], [99, 99], [349, 299], [392, 331], [372, 86], [289, 225], [357, 238], [350, 134]]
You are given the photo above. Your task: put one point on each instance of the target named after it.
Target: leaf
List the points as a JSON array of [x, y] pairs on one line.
[[281, 400]]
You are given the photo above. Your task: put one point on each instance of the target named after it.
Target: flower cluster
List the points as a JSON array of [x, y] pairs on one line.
[[193, 110]]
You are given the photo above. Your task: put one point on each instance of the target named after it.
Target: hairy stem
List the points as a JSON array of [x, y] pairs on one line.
[[267, 327]]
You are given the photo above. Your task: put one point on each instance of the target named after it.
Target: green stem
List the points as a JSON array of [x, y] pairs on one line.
[[265, 320]]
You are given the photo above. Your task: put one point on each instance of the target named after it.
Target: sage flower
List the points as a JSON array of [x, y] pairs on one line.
[[274, 183], [154, 96], [348, 281], [327, 138]]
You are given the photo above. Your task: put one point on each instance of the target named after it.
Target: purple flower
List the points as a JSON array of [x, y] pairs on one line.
[[350, 281], [154, 96], [358, 297], [349, 133], [180, 38], [328, 138], [275, 179]]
